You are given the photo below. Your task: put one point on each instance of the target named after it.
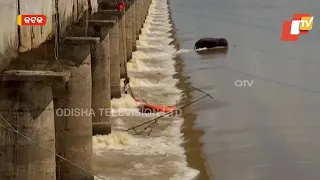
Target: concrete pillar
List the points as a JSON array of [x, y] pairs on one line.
[[101, 91], [129, 19], [145, 10], [134, 27], [138, 17], [74, 126], [141, 13], [114, 33], [26, 102], [123, 46], [143, 7], [148, 3]]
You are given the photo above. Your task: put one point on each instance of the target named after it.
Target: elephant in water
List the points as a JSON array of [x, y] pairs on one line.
[[211, 43]]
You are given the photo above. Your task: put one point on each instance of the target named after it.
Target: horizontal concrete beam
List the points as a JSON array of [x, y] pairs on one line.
[[80, 40], [110, 11], [107, 4], [102, 23], [110, 4], [25, 75]]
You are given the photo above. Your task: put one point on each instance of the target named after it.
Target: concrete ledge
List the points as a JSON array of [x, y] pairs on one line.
[[80, 40], [115, 5], [105, 16], [25, 75], [110, 11], [102, 23], [107, 3]]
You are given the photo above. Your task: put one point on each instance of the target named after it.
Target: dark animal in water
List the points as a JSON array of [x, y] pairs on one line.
[[211, 43]]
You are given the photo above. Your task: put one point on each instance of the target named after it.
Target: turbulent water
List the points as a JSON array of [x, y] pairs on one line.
[[157, 155], [265, 131]]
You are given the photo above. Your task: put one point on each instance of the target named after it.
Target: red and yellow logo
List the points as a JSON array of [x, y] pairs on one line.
[[31, 20], [300, 24]]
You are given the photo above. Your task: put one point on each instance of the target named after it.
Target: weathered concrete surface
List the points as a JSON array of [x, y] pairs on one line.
[[123, 46], [74, 130], [149, 2], [114, 33], [134, 27], [28, 107], [146, 4], [145, 10], [72, 102], [34, 76], [74, 133], [129, 36], [101, 91], [138, 17]]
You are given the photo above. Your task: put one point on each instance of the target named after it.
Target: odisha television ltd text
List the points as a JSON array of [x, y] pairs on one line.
[[78, 112]]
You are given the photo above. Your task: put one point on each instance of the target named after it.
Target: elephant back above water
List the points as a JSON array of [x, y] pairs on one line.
[[211, 43]]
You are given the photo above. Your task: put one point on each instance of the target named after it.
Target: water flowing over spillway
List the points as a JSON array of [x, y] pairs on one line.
[[159, 156]]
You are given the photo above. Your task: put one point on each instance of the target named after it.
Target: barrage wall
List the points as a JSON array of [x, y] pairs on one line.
[[15, 39], [75, 61]]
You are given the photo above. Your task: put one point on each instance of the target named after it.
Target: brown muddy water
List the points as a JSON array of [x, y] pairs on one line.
[[268, 128]]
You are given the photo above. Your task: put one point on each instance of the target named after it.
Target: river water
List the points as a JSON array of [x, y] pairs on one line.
[[265, 131], [269, 130]]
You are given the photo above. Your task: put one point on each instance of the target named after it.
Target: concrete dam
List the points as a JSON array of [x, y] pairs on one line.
[[76, 60]]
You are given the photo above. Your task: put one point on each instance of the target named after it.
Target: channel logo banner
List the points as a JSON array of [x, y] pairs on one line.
[[300, 24], [31, 20]]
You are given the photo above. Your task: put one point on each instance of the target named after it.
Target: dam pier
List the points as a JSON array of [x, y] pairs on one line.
[[75, 61]]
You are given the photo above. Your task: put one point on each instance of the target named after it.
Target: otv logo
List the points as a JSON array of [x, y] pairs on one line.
[[243, 83]]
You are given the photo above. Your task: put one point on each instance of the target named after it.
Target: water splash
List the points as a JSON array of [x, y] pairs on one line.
[[159, 156]]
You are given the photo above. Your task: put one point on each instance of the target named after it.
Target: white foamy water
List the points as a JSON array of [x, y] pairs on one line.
[[181, 51], [157, 155]]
